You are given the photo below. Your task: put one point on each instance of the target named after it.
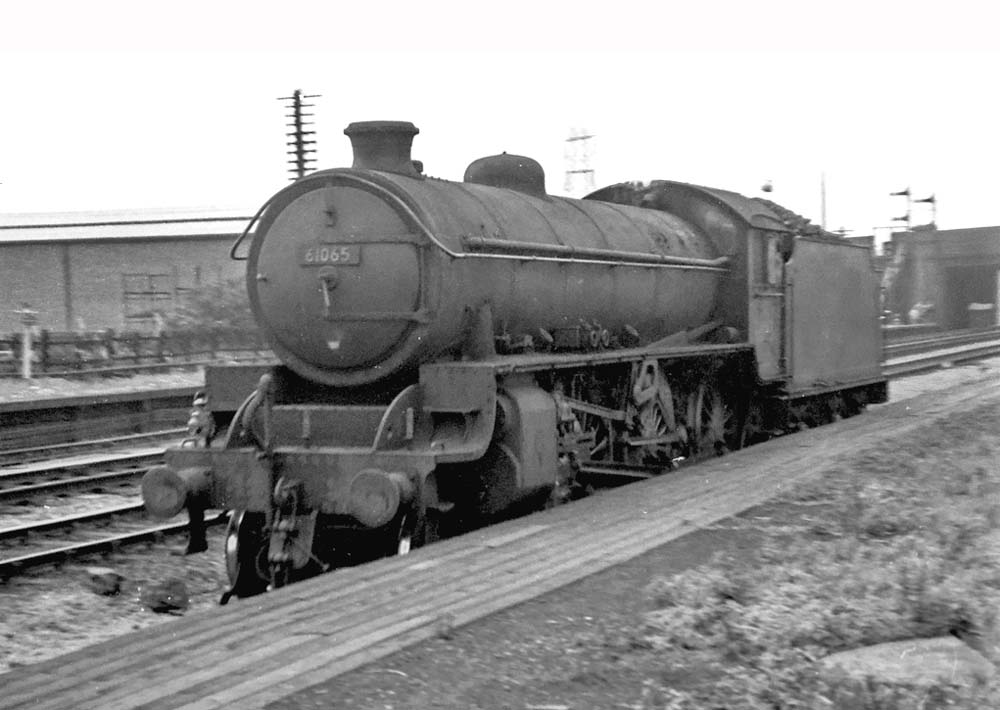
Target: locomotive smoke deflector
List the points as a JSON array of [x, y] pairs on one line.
[[383, 145]]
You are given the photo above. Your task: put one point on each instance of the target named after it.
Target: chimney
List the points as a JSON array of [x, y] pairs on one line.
[[383, 145]]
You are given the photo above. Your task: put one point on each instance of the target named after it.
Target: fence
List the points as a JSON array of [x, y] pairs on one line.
[[56, 354]]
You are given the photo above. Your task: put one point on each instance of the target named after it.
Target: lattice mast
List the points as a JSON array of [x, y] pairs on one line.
[[579, 170]]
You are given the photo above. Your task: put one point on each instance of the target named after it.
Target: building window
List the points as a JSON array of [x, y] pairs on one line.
[[146, 295]]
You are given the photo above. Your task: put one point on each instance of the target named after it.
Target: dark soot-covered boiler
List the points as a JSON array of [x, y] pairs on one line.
[[358, 274]]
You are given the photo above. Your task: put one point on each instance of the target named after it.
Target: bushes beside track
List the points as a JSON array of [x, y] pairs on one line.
[[213, 323], [900, 543]]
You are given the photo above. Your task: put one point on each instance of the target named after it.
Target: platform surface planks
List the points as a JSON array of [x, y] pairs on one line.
[[257, 650]]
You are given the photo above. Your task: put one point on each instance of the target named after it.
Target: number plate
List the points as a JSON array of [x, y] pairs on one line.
[[331, 255]]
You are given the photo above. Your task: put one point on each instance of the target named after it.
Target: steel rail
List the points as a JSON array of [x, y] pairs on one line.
[[19, 531], [929, 360], [14, 475], [944, 340], [27, 451], [87, 483], [13, 565]]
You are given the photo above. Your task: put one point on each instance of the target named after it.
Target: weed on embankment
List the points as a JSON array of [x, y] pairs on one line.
[[902, 541]]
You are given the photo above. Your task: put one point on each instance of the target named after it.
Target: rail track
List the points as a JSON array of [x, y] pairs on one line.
[[24, 493], [926, 342], [47, 539], [321, 628], [78, 473], [50, 491], [46, 452], [64, 538], [106, 523], [923, 353]]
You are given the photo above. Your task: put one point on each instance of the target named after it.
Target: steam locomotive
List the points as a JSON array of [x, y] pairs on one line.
[[455, 352]]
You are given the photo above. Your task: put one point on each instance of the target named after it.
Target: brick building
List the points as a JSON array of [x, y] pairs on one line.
[[954, 271], [111, 269]]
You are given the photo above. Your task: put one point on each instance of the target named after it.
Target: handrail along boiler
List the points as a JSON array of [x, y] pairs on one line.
[[453, 352]]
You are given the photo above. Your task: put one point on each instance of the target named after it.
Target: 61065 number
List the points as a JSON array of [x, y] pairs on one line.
[[326, 254]]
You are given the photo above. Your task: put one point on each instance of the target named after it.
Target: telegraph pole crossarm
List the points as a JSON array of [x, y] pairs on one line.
[[302, 150], [906, 218]]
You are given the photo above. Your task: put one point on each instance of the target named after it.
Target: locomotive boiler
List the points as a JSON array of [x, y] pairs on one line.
[[453, 352]]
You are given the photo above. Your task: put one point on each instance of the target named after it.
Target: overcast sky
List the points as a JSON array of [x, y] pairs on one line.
[[108, 105]]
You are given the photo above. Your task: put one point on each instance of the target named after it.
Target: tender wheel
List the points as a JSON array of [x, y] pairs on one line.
[[245, 548], [754, 427]]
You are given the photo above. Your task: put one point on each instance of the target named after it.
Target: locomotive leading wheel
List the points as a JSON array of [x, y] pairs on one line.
[[245, 547], [753, 431]]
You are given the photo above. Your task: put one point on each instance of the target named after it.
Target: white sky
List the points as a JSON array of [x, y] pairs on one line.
[[110, 105]]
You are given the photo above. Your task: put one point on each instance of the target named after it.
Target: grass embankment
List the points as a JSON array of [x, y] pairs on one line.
[[902, 541]]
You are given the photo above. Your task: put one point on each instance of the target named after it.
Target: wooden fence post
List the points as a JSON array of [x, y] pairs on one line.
[[26, 353], [160, 357], [29, 319], [43, 350], [108, 343]]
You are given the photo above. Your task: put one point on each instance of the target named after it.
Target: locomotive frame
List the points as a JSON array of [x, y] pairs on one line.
[[471, 409]]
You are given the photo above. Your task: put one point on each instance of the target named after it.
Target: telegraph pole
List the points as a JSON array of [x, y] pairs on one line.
[[906, 218], [932, 201], [822, 199], [303, 154]]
